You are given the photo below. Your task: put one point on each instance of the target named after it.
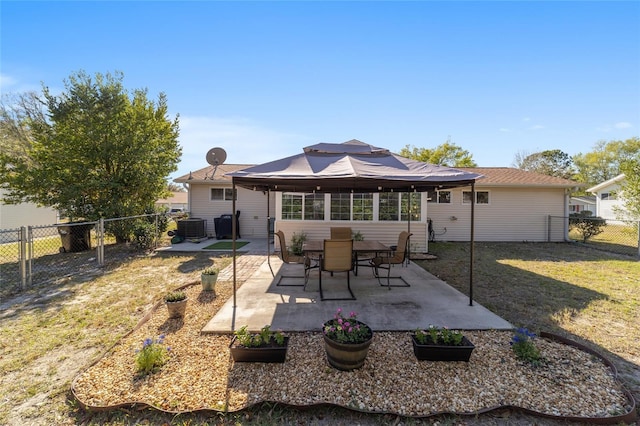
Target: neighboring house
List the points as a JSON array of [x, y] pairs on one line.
[[511, 205], [582, 203], [609, 200], [179, 201], [13, 216]]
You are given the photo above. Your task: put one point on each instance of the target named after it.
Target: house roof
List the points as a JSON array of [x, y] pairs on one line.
[[606, 183], [586, 199], [212, 173], [175, 198], [492, 176], [508, 176]]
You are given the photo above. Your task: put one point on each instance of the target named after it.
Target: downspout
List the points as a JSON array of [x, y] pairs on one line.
[[473, 220]]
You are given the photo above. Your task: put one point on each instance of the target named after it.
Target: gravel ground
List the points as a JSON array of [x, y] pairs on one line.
[[200, 374]]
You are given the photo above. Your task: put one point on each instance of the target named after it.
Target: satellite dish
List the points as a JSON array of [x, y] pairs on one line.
[[216, 156]]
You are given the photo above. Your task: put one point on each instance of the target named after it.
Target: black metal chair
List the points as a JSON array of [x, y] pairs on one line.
[[398, 258], [337, 256]]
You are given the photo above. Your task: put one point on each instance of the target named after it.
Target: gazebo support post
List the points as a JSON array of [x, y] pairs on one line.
[[473, 220], [233, 243], [268, 233]]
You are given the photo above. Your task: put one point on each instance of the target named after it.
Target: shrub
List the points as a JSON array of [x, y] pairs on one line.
[[586, 225], [524, 347], [152, 356]]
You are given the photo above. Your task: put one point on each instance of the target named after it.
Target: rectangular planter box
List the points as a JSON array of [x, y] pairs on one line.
[[430, 352], [259, 354]]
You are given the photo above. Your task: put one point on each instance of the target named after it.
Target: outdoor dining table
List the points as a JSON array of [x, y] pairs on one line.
[[360, 248]]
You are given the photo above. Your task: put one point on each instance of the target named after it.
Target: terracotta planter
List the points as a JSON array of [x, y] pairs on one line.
[[177, 309], [346, 356], [431, 352], [266, 353], [209, 282]]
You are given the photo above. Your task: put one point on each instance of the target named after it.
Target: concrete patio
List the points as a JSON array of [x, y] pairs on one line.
[[293, 308]]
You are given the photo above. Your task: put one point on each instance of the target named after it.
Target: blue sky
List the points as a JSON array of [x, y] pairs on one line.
[[265, 79]]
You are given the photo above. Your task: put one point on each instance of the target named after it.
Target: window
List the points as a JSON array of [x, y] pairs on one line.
[[439, 197], [363, 206], [340, 206], [313, 206], [482, 197], [444, 197], [222, 194], [394, 206], [292, 206], [388, 206], [608, 196], [416, 206]]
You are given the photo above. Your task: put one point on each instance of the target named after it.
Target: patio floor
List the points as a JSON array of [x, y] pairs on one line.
[[429, 301]]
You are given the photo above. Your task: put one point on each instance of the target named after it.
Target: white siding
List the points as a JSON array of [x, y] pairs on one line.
[[25, 214], [251, 204], [513, 214]]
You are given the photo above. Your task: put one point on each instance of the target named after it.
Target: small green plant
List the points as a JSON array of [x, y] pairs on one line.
[[152, 355], [263, 338], [357, 236], [297, 241], [211, 270], [439, 336], [524, 348], [175, 296]]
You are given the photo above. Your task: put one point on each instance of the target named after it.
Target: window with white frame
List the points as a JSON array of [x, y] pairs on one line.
[[394, 206], [223, 194], [313, 206], [439, 197], [415, 206], [362, 206], [292, 206], [340, 206], [388, 206], [482, 197]]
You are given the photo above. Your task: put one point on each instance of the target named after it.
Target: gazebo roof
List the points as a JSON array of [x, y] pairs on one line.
[[349, 166]]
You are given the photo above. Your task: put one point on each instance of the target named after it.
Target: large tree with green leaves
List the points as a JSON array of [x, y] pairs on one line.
[[551, 162], [446, 154], [97, 151], [630, 187], [605, 160]]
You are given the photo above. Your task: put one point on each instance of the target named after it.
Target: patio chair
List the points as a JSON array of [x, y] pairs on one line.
[[340, 233], [398, 258], [337, 256], [289, 258]]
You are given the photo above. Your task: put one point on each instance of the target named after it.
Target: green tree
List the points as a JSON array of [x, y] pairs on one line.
[[630, 188], [605, 160], [97, 152], [446, 154], [552, 162]]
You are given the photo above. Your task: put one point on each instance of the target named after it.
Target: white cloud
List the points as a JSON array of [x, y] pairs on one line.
[[245, 142], [526, 119], [536, 127], [623, 125]]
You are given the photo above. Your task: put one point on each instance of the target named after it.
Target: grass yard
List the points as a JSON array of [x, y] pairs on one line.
[[48, 335]]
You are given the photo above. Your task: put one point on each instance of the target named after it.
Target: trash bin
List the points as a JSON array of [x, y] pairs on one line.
[[223, 226], [75, 237]]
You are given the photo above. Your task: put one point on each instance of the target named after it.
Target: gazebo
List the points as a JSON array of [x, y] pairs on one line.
[[348, 167]]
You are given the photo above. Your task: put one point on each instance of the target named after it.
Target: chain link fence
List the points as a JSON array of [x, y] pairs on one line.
[[610, 235], [36, 255]]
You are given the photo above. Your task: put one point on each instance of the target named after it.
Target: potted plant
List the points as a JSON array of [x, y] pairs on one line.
[[264, 346], [346, 341], [176, 302], [441, 344], [208, 278]]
